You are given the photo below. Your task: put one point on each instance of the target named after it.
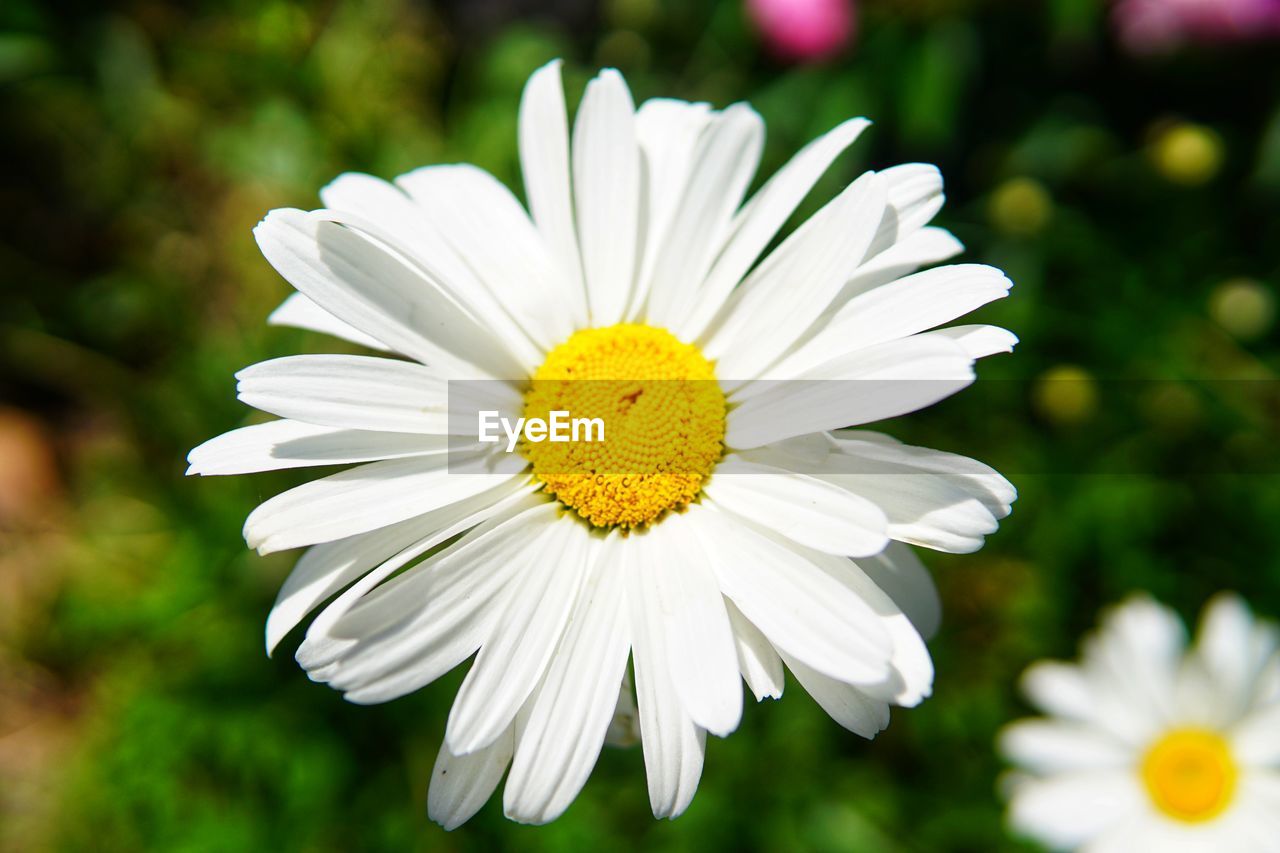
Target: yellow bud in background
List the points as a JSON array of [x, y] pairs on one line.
[[1187, 154], [1245, 308], [1020, 206], [1065, 394]]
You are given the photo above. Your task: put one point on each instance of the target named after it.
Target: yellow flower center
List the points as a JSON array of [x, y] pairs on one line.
[[663, 415], [1190, 774]]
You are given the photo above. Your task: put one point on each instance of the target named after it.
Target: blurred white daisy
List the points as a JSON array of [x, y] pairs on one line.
[[1150, 745], [637, 260]]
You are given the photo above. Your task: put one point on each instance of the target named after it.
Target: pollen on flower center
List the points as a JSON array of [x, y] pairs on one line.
[[664, 421], [1190, 774]]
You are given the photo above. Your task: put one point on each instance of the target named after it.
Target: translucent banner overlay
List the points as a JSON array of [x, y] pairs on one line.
[[1172, 428]]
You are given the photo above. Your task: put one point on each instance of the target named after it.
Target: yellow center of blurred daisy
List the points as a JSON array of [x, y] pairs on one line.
[[1190, 774], [663, 416]]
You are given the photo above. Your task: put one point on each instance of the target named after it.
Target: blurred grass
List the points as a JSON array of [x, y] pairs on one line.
[[143, 141]]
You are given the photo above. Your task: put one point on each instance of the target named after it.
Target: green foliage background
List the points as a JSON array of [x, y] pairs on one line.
[[141, 143]]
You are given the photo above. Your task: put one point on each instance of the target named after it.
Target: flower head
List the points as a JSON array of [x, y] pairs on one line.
[[1149, 745], [727, 528]]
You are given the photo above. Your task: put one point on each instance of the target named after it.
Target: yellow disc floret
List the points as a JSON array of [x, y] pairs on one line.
[[663, 423], [1190, 774]]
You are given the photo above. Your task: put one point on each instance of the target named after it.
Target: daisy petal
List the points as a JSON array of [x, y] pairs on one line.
[[461, 784], [1234, 650], [915, 197], [891, 379], [924, 247], [869, 453], [398, 221], [325, 569], [1067, 810], [667, 131], [350, 275], [898, 571], [301, 312], [484, 223], [292, 444], [723, 163], [566, 725], [792, 287], [898, 310], [801, 609], [684, 590], [359, 500], [803, 508], [511, 662], [673, 745], [910, 680], [758, 661], [844, 703], [544, 161], [606, 183], [761, 218], [980, 341], [378, 644], [1051, 746], [350, 392]]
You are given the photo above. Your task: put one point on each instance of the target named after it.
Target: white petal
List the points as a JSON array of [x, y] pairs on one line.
[[898, 571], [1256, 738], [667, 131], [1137, 655], [461, 784], [300, 312], [484, 223], [905, 307], [758, 661], [923, 508], [512, 660], [881, 382], [673, 745], [321, 649], [1060, 689], [915, 196], [911, 677], [723, 164], [360, 499], [392, 217], [798, 606], [1234, 650], [980, 341], [802, 508], [1067, 810], [923, 248], [703, 661], [844, 703], [378, 644], [292, 444], [544, 160], [982, 481], [571, 713], [1051, 746], [791, 288], [349, 391], [352, 277], [325, 569], [606, 184], [759, 220]]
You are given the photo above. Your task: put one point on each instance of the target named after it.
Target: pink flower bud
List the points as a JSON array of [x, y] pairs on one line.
[[803, 30]]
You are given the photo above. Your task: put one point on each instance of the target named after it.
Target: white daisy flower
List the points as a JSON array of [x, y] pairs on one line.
[[1150, 745], [637, 259]]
